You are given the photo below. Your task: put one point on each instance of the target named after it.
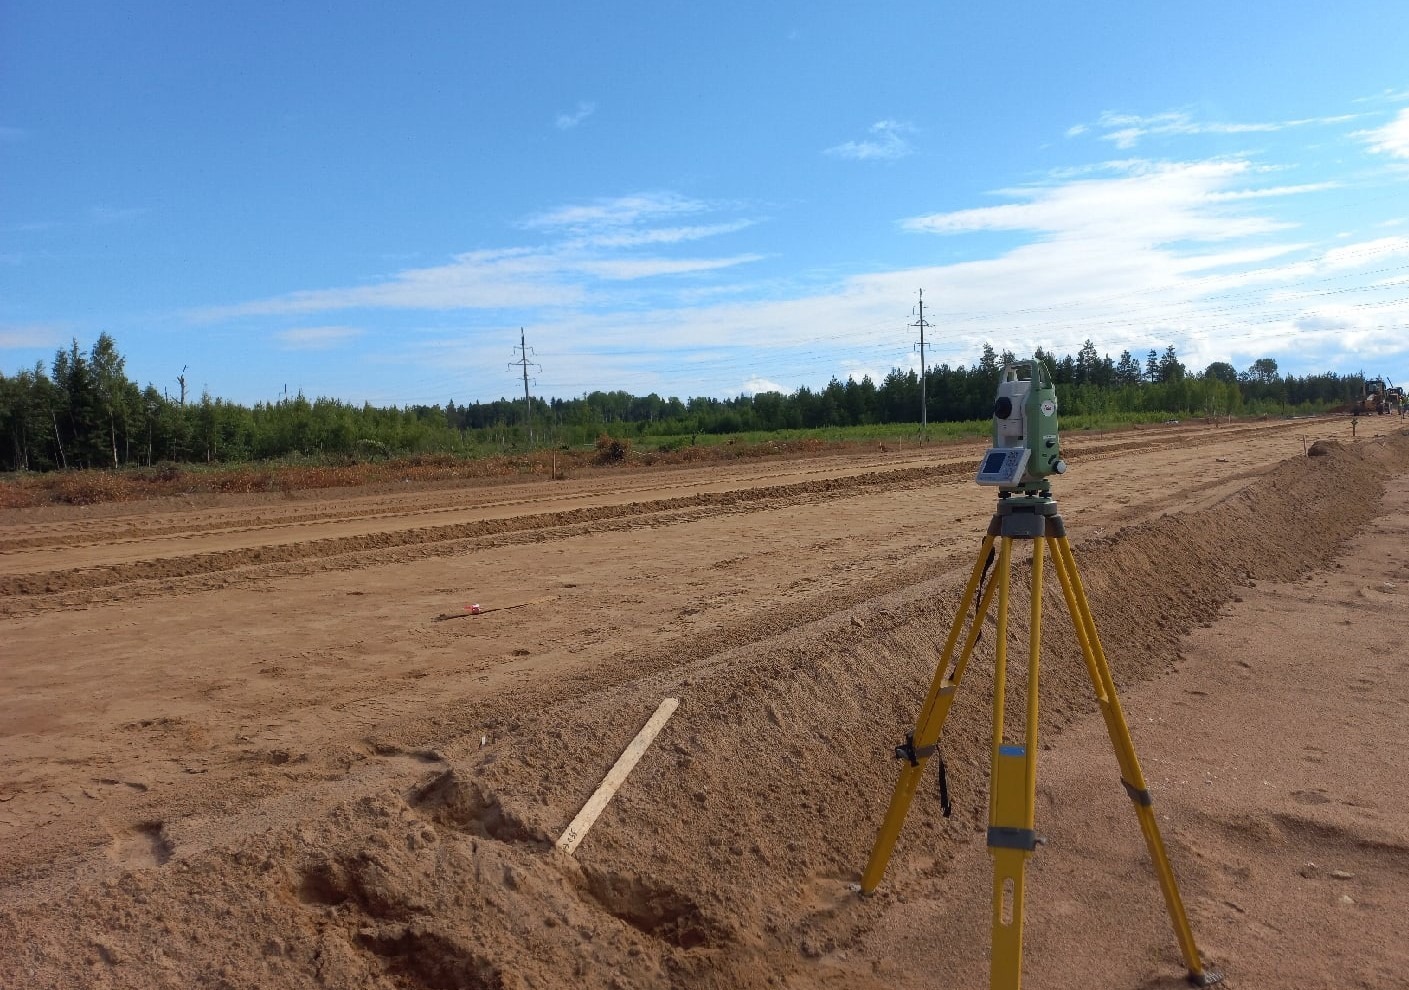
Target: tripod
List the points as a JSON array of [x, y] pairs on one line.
[[1012, 789]]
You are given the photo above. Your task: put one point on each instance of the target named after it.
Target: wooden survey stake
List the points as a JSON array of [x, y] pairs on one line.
[[481, 610], [615, 777]]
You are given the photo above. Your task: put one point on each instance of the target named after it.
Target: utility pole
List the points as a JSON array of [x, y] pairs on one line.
[[924, 405], [524, 363]]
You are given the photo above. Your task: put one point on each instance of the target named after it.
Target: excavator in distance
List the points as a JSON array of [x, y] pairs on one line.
[[1395, 399]]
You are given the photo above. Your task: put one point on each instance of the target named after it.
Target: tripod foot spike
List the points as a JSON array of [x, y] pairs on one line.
[[1207, 978]]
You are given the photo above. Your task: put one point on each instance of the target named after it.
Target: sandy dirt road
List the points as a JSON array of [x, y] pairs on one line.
[[259, 742]]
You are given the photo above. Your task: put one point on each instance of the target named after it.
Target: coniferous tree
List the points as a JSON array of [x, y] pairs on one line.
[[1127, 369], [1087, 362], [1170, 368]]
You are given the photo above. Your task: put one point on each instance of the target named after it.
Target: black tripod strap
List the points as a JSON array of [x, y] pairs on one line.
[[944, 804], [978, 593], [913, 754]]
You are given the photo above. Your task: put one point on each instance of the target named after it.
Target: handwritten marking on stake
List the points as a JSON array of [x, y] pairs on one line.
[[616, 776]]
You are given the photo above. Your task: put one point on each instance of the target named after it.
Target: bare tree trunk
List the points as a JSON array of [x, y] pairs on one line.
[[63, 461]]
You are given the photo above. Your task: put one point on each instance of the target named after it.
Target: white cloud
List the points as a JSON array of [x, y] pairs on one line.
[[1354, 256], [633, 268], [567, 121], [1269, 191], [621, 211], [665, 235], [316, 338], [757, 386], [1386, 96], [1154, 204], [1391, 139], [1127, 130], [887, 141], [628, 221]]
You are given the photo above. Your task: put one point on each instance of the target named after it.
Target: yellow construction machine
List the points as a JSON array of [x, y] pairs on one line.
[[1373, 400], [1395, 400]]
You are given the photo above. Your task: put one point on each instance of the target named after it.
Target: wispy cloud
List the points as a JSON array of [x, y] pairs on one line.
[[31, 335], [1353, 256], [567, 121], [1152, 204], [631, 221], [1127, 130], [1391, 139], [1269, 191], [620, 211], [634, 268], [473, 280], [1165, 252], [316, 338], [1386, 96], [12, 134], [592, 250], [887, 141], [666, 235]]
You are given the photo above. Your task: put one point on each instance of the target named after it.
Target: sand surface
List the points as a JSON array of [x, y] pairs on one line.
[[258, 741]]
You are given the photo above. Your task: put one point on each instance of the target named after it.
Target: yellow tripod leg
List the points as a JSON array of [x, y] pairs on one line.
[[931, 721], [1131, 775], [1013, 789]]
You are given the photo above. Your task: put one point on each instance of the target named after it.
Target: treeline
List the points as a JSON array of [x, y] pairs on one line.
[[1089, 384], [83, 411]]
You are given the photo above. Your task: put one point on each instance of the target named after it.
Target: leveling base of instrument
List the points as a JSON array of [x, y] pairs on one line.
[[1012, 792]]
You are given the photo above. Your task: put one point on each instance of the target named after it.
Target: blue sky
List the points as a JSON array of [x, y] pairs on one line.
[[368, 201]]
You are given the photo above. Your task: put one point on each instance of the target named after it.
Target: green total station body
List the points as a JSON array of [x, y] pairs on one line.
[[1026, 446]]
